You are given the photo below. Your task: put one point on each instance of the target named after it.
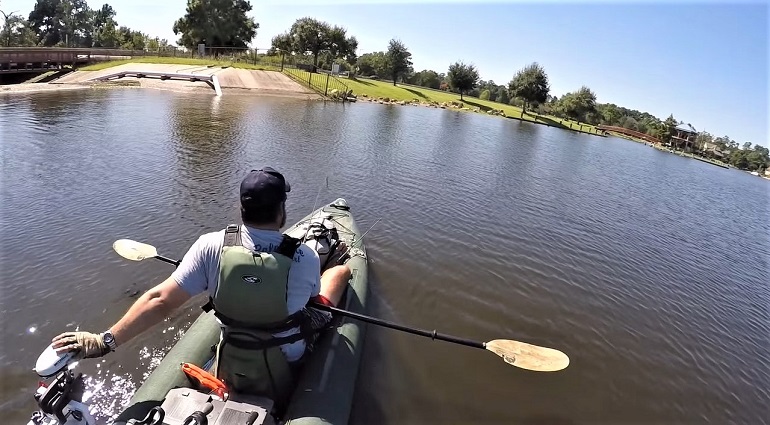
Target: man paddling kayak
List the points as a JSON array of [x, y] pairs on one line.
[[258, 281]]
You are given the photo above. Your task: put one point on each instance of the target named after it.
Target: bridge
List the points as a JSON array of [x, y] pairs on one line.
[[627, 132], [38, 59]]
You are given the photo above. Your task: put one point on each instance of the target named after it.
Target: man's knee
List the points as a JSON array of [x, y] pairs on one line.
[[338, 273]]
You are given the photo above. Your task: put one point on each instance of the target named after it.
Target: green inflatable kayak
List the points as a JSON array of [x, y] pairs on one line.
[[326, 383]]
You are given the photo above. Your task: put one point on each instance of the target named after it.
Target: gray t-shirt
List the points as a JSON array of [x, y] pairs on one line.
[[199, 272]]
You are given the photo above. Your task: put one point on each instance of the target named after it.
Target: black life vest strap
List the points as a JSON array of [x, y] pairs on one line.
[[263, 344], [300, 318], [284, 325]]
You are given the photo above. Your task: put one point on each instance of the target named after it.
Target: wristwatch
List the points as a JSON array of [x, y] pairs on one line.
[[109, 340]]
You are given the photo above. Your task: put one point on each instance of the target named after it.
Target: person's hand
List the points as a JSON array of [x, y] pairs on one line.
[[87, 345]]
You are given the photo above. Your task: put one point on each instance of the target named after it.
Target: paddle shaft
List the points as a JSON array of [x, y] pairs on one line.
[[429, 334], [167, 260], [516, 353]]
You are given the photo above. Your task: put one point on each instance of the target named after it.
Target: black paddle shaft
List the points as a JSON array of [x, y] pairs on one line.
[[168, 260], [429, 334]]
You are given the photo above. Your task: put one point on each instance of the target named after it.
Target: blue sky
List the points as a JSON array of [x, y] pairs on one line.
[[707, 63]]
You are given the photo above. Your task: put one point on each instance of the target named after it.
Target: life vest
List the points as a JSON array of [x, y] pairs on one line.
[[250, 302]]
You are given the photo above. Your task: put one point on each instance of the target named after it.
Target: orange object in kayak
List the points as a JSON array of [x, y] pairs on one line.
[[206, 380]]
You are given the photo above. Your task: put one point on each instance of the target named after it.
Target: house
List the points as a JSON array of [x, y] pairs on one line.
[[684, 137], [712, 150]]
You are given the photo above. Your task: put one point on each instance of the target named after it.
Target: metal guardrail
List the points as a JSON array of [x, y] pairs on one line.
[[322, 83]]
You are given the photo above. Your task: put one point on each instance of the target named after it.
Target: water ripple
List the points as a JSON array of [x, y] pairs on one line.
[[648, 269]]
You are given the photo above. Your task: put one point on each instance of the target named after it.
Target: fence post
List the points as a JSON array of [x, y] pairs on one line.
[[309, 78], [283, 56], [326, 90]]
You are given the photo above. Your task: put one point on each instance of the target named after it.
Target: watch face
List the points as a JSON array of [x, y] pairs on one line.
[[108, 338]]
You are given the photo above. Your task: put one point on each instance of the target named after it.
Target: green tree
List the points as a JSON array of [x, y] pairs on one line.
[[16, 32], [656, 130], [484, 95], [765, 152], [62, 22], [702, 139], [747, 146], [309, 35], [630, 123], [530, 84], [756, 159], [341, 46], [426, 78], [577, 105], [153, 44], [107, 36], [399, 60], [375, 63], [103, 16], [610, 113], [104, 25], [724, 143], [502, 95], [669, 128], [463, 77], [217, 23], [281, 43], [10, 21]]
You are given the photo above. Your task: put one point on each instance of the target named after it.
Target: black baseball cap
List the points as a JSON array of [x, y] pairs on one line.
[[263, 188]]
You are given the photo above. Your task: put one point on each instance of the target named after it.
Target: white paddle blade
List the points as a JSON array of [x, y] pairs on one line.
[[133, 250], [528, 356]]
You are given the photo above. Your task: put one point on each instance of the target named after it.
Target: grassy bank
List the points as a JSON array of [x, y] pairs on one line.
[[370, 88], [383, 89], [180, 61]]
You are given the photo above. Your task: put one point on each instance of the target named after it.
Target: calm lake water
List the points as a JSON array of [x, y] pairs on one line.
[[649, 270]]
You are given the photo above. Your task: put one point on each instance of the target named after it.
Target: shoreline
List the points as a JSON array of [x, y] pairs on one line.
[[24, 88], [459, 106], [274, 83]]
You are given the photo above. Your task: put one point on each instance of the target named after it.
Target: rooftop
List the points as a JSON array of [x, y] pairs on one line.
[[686, 128]]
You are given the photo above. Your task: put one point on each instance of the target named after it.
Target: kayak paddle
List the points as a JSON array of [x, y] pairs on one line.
[[516, 353], [137, 251]]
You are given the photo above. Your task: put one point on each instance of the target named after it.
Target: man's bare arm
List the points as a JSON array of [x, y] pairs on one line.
[[150, 309]]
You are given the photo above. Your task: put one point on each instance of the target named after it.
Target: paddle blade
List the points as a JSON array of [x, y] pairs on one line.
[[132, 250], [528, 356]]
